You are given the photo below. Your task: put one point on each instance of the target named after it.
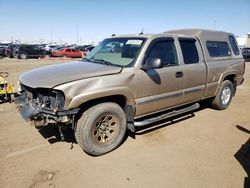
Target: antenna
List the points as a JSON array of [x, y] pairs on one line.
[[141, 33]]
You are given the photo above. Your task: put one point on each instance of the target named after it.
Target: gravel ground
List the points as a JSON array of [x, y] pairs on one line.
[[208, 149]]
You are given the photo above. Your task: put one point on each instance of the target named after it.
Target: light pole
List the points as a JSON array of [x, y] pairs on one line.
[[76, 33]]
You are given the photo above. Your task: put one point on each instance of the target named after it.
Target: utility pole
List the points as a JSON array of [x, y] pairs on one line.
[[214, 24], [76, 33], [50, 37]]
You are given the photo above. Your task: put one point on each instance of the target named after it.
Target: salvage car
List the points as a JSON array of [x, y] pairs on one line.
[[25, 51], [133, 81], [67, 52], [9, 50]]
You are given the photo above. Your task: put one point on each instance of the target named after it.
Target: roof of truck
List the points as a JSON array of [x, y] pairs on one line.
[[202, 33]]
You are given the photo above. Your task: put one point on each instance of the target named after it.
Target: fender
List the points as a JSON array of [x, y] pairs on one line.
[[95, 94], [223, 76]]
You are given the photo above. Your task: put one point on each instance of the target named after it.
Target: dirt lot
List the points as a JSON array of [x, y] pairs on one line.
[[203, 150]]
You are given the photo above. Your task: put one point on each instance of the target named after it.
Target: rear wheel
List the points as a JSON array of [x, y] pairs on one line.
[[224, 96], [101, 128], [23, 56]]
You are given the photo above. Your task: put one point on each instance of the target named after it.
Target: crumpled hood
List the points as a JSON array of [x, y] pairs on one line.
[[53, 75]]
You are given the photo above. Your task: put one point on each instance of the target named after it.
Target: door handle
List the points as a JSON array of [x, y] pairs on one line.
[[179, 74]]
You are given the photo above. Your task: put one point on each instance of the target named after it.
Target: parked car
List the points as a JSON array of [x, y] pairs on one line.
[[9, 50], [133, 81], [246, 53], [2, 51], [67, 52], [3, 46], [48, 48], [85, 48], [25, 51]]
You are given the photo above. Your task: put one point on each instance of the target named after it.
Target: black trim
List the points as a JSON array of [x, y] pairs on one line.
[[167, 115], [159, 98]]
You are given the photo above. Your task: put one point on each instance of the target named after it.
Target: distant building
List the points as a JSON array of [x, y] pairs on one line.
[[244, 41]]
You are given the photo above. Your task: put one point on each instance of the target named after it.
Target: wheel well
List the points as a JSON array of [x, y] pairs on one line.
[[230, 77], [119, 99]]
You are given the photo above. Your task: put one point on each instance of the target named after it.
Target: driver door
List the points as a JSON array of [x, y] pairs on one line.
[[159, 89]]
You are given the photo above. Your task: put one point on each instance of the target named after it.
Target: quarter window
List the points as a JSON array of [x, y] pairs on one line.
[[165, 50], [218, 49], [234, 45], [189, 51]]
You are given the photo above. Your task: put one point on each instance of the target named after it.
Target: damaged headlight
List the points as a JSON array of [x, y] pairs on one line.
[[50, 99], [43, 98]]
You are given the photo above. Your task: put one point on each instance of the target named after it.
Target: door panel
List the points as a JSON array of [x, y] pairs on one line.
[[194, 82], [158, 89]]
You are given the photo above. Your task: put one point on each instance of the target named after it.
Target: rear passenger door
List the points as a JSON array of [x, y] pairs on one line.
[[68, 53], [194, 70], [28, 49], [36, 51]]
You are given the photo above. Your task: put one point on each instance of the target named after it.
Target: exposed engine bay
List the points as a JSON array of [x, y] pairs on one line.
[[43, 106]]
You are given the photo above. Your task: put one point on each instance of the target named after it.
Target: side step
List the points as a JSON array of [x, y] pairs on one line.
[[167, 115]]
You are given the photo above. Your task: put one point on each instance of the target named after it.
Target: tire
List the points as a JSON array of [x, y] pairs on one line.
[[224, 96], [23, 56], [101, 128]]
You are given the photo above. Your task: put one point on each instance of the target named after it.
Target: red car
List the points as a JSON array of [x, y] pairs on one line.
[[67, 52]]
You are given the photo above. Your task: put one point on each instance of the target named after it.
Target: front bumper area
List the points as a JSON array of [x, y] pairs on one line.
[[30, 111]]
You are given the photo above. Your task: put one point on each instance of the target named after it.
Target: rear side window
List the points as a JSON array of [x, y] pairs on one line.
[[218, 49], [165, 50], [234, 45], [189, 51]]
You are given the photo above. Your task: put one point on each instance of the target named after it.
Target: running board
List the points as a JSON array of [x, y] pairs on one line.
[[167, 115]]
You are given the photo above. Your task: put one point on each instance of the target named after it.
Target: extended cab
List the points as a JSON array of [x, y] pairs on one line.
[[131, 81]]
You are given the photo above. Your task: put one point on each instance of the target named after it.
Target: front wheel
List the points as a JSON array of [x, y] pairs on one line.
[[224, 96], [101, 128]]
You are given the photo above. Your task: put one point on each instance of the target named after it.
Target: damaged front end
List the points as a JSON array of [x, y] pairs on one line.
[[44, 106]]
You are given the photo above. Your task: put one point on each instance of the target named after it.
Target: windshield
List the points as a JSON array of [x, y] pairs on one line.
[[116, 51]]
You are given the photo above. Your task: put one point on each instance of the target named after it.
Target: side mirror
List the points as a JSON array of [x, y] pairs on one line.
[[152, 63]]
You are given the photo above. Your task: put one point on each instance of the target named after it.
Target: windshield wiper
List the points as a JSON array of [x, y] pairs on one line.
[[86, 59], [105, 62]]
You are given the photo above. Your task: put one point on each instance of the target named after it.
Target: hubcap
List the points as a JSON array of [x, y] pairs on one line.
[[225, 96], [23, 56], [105, 129]]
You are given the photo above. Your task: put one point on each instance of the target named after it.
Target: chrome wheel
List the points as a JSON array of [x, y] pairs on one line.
[[23, 56], [226, 95], [105, 129]]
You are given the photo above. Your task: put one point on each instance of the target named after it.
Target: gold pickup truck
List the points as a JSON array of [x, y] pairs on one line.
[[132, 81]]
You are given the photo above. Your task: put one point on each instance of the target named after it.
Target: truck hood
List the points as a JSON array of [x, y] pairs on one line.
[[53, 75]]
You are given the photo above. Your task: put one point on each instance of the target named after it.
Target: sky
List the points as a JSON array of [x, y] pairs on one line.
[[94, 20]]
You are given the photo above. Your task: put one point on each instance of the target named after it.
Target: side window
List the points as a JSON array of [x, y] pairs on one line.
[[218, 49], [36, 48], [26, 47], [234, 45], [68, 50], [189, 51], [165, 50]]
